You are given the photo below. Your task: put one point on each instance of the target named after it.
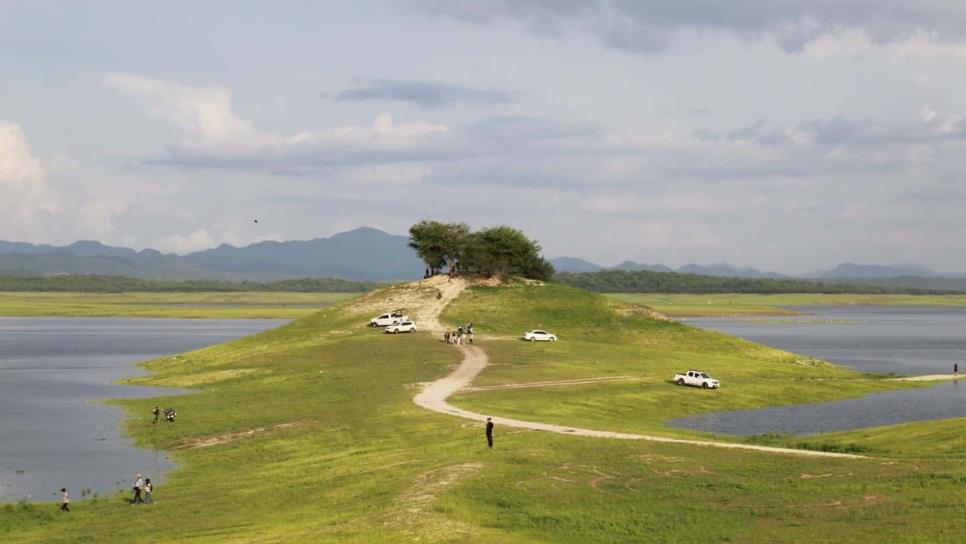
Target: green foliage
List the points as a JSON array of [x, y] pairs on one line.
[[506, 252], [439, 243], [92, 283], [645, 281], [496, 251]]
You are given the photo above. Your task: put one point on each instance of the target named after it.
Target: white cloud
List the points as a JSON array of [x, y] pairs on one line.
[[187, 243], [216, 137], [25, 197]]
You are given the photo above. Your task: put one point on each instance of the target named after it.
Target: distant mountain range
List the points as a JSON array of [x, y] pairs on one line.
[[842, 271], [363, 254], [360, 254]]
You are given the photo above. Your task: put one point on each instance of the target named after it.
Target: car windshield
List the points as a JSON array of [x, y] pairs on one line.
[[539, 332], [705, 375]]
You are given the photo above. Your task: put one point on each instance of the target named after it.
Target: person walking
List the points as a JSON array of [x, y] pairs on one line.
[[64, 500], [148, 489], [138, 485], [956, 369], [156, 412], [489, 432]]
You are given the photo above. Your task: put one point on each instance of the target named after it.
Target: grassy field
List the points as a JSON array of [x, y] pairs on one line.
[[750, 304], [180, 305], [307, 433]]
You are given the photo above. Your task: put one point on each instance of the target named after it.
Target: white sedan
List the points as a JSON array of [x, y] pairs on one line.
[[539, 336], [405, 326]]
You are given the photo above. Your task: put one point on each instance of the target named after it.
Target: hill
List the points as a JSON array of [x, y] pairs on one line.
[[362, 254], [321, 412]]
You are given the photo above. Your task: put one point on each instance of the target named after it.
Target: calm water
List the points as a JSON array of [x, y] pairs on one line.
[[53, 433], [902, 340]]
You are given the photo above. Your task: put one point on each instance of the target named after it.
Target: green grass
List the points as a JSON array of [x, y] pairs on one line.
[[595, 340], [359, 462], [748, 304], [249, 305]]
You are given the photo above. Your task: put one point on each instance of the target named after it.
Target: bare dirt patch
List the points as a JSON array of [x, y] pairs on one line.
[[555, 383], [231, 437]]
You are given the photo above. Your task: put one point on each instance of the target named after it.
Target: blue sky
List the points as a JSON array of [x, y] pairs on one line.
[[787, 135]]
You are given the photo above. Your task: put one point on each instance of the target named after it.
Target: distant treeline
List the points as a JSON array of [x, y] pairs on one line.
[[618, 281], [121, 284]]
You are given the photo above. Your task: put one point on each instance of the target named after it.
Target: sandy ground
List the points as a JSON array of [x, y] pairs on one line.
[[929, 378]]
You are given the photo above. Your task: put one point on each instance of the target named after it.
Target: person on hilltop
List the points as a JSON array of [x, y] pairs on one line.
[[64, 500], [489, 432], [138, 485], [148, 489], [155, 412]]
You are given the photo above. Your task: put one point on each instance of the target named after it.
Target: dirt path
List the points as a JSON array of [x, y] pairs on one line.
[[929, 378], [433, 397]]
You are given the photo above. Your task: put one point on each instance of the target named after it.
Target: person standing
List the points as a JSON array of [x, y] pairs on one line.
[[489, 432], [138, 484], [956, 369], [156, 412], [148, 489], [64, 500]]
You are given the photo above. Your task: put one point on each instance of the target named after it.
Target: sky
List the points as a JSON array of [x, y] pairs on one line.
[[788, 135]]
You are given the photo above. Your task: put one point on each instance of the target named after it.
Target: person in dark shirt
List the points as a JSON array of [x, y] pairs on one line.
[[489, 432], [156, 412]]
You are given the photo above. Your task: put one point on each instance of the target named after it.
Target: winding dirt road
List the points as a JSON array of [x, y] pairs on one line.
[[434, 397]]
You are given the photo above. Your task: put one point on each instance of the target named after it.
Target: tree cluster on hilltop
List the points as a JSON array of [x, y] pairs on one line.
[[618, 281], [495, 251]]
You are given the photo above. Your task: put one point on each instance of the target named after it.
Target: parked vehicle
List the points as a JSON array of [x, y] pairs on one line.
[[390, 318], [696, 378], [405, 326], [539, 336]]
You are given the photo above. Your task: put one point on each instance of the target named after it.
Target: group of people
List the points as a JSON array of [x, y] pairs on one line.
[[143, 493], [169, 414], [462, 335], [143, 490]]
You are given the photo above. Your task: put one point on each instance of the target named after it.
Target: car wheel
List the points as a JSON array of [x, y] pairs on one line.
[[532, 339], [704, 385], [680, 381], [395, 331], [552, 339]]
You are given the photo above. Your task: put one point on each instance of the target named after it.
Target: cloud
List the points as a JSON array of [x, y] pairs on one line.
[[425, 94], [215, 137], [25, 197], [188, 243], [648, 26]]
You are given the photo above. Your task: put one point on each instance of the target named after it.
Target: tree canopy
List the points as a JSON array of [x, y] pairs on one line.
[[495, 251]]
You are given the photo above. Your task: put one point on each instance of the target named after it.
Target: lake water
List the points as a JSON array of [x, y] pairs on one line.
[[53, 433], [900, 339]]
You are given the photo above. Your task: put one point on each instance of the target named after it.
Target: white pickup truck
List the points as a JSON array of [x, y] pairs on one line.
[[390, 318], [696, 378]]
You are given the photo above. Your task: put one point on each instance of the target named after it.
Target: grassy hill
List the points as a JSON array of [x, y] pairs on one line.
[[308, 433]]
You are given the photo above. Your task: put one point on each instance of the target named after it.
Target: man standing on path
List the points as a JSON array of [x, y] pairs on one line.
[[489, 432], [138, 484]]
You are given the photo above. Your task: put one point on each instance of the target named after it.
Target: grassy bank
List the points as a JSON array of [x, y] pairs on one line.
[[307, 433], [747, 304], [174, 305]]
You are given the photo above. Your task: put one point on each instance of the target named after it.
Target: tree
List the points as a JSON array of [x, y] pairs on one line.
[[505, 251], [439, 243]]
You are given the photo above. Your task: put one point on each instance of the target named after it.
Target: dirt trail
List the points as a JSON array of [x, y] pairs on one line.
[[433, 397], [929, 378]]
